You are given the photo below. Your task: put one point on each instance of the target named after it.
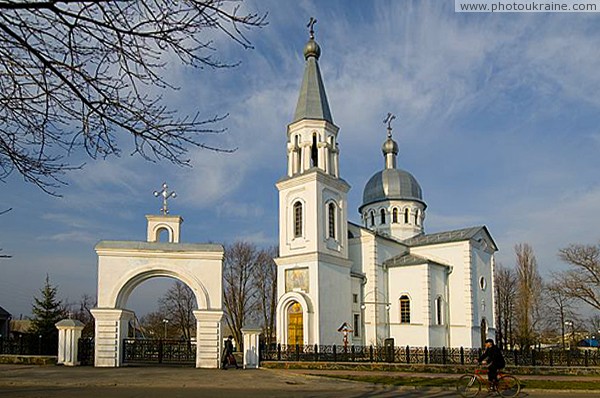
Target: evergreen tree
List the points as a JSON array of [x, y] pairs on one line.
[[47, 311]]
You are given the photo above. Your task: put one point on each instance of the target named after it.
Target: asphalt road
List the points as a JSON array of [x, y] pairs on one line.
[[55, 381]]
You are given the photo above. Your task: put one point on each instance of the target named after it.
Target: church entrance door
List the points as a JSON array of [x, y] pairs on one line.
[[295, 325]]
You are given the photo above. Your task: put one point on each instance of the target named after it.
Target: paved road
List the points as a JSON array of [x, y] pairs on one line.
[[151, 382]]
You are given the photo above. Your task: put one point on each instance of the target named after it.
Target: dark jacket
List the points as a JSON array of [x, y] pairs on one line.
[[228, 349], [494, 357]]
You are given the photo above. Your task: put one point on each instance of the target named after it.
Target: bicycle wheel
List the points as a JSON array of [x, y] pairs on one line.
[[509, 386], [468, 386]]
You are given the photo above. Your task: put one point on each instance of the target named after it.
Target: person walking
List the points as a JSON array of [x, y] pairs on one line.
[[228, 358]]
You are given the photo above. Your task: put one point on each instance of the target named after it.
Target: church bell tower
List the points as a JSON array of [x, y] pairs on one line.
[[313, 266]]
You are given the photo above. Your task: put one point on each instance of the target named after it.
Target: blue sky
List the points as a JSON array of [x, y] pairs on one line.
[[498, 119]]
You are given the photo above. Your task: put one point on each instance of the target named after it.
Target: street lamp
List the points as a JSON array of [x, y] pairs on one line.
[[165, 322], [376, 303], [571, 325]]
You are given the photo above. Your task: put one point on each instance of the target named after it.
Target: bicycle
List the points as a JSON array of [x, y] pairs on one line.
[[469, 385]]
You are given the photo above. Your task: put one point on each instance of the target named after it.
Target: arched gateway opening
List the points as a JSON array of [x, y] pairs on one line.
[[124, 265]]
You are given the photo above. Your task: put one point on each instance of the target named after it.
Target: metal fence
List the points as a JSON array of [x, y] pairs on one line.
[[426, 355], [28, 344], [159, 351]]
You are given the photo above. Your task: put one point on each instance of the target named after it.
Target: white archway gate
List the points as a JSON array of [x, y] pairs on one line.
[[123, 265]]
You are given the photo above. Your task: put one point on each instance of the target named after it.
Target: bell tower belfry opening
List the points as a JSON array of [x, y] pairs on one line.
[[124, 265]]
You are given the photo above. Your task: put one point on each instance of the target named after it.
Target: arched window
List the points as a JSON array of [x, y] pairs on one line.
[[439, 314], [297, 219], [314, 152], [406, 216], [417, 217], [331, 220], [372, 215], [395, 215], [382, 216], [404, 309]]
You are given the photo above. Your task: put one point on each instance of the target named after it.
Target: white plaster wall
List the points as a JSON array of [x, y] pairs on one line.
[[464, 297], [334, 305], [410, 280]]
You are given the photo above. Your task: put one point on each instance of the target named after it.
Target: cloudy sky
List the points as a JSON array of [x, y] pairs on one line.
[[498, 119]]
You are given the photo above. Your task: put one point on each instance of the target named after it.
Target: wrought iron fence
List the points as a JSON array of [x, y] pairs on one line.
[[85, 351], [159, 351], [28, 344], [426, 355]]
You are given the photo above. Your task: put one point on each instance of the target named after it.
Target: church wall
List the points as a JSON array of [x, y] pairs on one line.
[[411, 281], [483, 291], [334, 302], [461, 302], [438, 331]]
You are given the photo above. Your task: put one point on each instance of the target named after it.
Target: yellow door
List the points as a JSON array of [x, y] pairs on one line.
[[295, 325]]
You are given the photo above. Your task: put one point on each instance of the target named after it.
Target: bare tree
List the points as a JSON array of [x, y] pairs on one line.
[[76, 73], [582, 282], [266, 283], [529, 290], [506, 288], [84, 315], [1, 213], [239, 286], [153, 326], [178, 305], [559, 308]]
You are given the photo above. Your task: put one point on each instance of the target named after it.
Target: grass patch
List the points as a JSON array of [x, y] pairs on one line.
[[450, 383]]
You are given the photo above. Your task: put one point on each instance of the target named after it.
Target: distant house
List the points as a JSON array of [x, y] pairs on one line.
[[19, 327], [5, 318]]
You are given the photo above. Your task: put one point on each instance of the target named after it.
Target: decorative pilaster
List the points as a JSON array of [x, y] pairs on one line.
[[111, 329], [208, 338], [251, 347], [69, 333]]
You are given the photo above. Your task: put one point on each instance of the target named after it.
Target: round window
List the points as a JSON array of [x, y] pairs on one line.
[[482, 283]]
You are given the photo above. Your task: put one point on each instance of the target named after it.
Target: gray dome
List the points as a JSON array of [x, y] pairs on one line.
[[390, 184]]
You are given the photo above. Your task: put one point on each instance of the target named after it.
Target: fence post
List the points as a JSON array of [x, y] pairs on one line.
[[425, 355], [407, 354], [279, 352], [551, 358], [462, 356], [316, 353], [371, 353], [334, 354], [569, 357], [516, 356], [353, 353], [443, 355], [586, 358], [20, 344], [298, 352], [533, 357], [1, 344]]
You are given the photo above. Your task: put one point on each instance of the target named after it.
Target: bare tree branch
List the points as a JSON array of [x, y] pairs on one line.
[[76, 75], [582, 281]]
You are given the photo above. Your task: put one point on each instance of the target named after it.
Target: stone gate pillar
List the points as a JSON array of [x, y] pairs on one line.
[[208, 338], [69, 332], [251, 347], [112, 326]]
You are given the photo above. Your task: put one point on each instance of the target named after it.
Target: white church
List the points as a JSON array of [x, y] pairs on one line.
[[385, 278]]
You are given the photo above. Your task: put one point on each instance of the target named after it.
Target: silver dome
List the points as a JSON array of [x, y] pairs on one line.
[[392, 184]]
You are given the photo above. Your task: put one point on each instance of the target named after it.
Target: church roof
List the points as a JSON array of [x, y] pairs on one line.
[[457, 235], [408, 259], [312, 101]]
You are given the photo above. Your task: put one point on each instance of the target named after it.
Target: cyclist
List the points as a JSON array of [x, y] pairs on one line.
[[492, 357]]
